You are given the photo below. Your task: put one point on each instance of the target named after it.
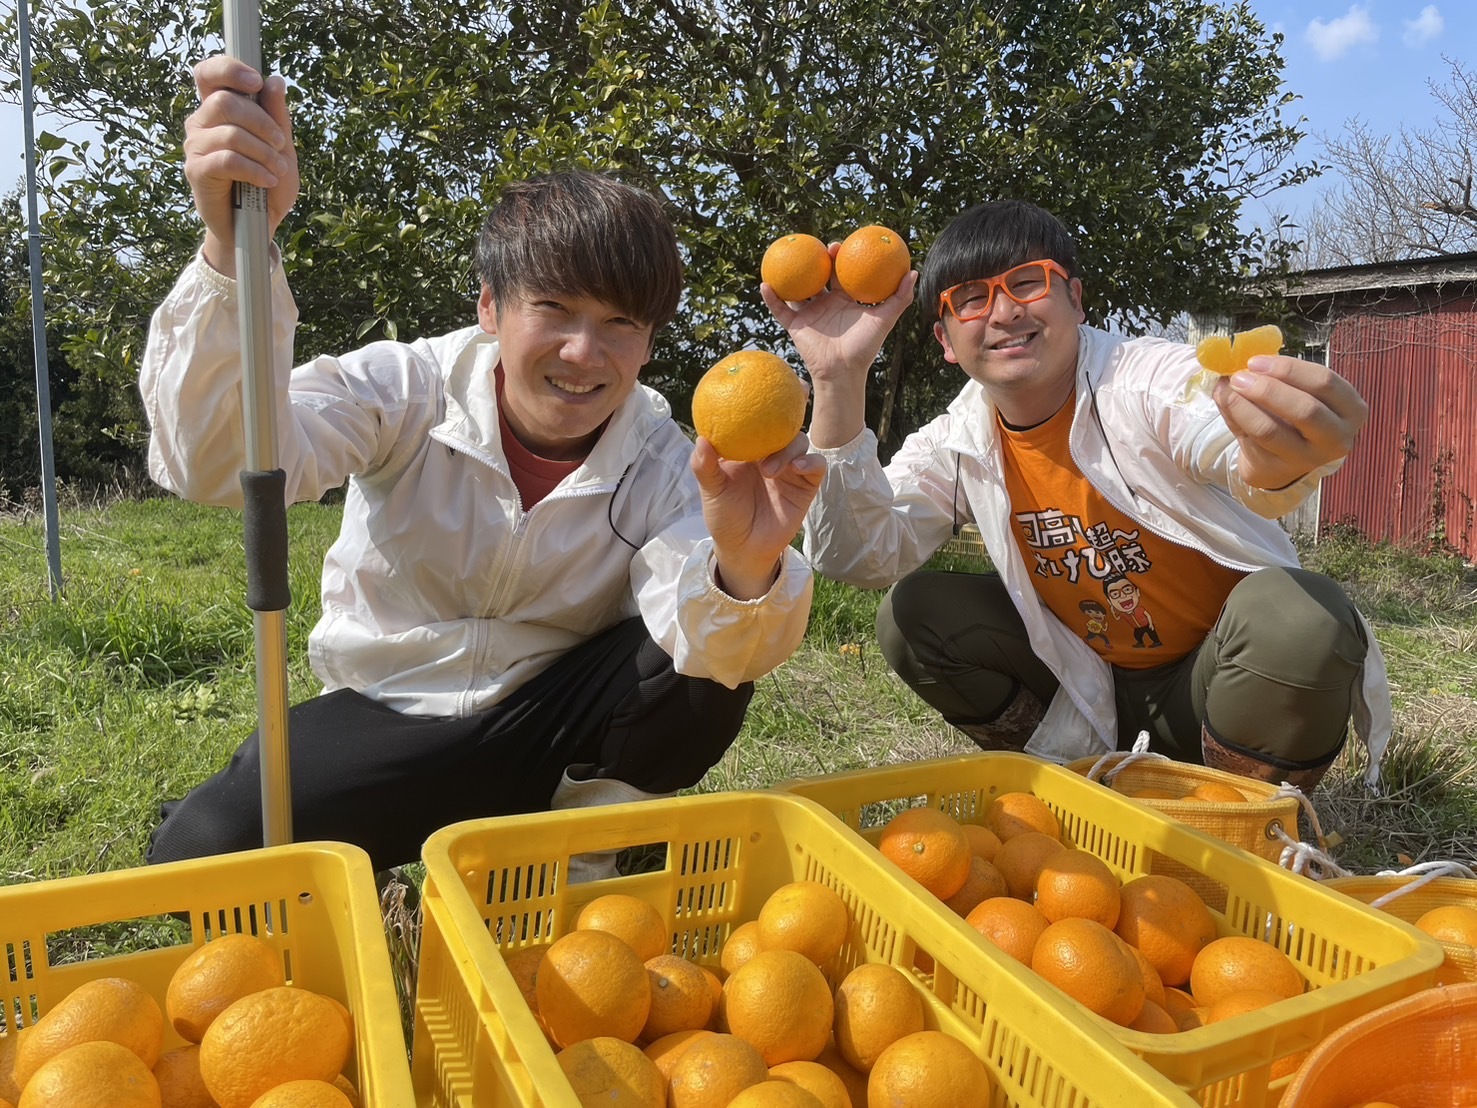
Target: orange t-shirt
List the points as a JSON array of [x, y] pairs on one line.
[[1137, 599]]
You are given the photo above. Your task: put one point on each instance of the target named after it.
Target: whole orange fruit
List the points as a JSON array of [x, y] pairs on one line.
[[871, 263], [629, 918], [1167, 921], [774, 1093], [612, 1073], [876, 1005], [268, 1038], [9, 1089], [1076, 883], [781, 1002], [1216, 792], [749, 405], [1010, 924], [95, 1074], [1020, 859], [1238, 963], [303, 1094], [1015, 813], [741, 945], [929, 1068], [823, 1084], [591, 984], [982, 841], [930, 847], [1093, 966], [180, 1083], [111, 1008], [797, 267], [1154, 1020], [713, 1070], [984, 881], [523, 964], [666, 1050], [1450, 923], [680, 997], [215, 976], [806, 917]]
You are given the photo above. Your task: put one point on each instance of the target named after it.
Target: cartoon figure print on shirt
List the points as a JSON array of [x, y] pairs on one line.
[[1126, 601], [1097, 621]]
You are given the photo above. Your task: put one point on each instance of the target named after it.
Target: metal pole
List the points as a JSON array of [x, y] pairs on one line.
[[263, 484], [38, 314]]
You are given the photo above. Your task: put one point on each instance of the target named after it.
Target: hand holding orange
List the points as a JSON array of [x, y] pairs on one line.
[[749, 405]]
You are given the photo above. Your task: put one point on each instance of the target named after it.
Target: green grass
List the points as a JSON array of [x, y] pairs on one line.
[[139, 683]]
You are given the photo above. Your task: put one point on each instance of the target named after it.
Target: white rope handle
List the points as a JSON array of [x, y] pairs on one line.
[[1424, 873], [1291, 791], [1306, 859], [1122, 759]]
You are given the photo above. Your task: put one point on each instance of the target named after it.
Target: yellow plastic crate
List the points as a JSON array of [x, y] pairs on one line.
[[1461, 959], [314, 903], [495, 886], [1355, 958]]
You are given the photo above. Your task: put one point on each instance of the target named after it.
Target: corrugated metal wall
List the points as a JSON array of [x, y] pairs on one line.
[[1413, 472]]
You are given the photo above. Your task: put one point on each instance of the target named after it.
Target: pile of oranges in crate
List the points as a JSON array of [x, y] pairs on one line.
[[1142, 954], [250, 1041], [762, 1027]]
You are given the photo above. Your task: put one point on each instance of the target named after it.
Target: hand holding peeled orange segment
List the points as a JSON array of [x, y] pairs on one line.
[[749, 405], [1221, 356]]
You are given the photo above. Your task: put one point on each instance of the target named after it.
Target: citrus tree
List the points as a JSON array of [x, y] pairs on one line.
[[1144, 126]]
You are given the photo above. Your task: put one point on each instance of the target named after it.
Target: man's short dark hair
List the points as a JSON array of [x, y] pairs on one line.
[[582, 234], [988, 239]]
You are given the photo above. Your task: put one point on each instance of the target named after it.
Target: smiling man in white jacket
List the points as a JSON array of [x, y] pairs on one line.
[[1141, 580], [542, 592]]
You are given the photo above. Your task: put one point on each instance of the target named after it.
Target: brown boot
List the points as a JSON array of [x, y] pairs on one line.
[[1012, 728], [1220, 756]]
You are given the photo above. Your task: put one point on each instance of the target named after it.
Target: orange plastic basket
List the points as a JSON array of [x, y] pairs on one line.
[[314, 903], [1390, 891], [496, 886], [1257, 826], [1356, 959], [1419, 1052]]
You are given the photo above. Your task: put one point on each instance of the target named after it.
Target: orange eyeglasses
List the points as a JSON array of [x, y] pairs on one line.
[[1027, 282]]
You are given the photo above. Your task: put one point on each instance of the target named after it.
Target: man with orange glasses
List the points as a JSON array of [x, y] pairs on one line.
[[1093, 474]]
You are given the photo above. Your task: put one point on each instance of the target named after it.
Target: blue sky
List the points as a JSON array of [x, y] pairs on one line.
[[1372, 60]]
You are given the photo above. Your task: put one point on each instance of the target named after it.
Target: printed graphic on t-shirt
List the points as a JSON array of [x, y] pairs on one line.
[[1095, 556]]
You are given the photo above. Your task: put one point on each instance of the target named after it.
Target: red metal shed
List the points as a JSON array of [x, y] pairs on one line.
[[1405, 335]]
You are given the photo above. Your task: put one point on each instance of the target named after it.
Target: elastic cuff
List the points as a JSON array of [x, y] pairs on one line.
[[1273, 759]]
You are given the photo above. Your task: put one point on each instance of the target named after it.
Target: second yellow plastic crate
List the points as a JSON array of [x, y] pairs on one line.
[[495, 886], [313, 902], [1355, 958]]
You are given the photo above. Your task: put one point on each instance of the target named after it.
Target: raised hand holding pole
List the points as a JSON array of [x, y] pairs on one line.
[[263, 484]]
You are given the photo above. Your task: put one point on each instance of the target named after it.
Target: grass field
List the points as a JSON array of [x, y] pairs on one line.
[[139, 683]]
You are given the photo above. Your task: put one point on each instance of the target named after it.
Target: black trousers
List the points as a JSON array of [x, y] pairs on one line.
[[366, 774]]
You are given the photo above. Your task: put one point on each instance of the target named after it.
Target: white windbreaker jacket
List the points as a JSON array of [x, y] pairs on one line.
[[1167, 462], [442, 595]]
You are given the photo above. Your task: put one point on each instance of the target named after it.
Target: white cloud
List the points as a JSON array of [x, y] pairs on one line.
[[1333, 39], [1425, 27]]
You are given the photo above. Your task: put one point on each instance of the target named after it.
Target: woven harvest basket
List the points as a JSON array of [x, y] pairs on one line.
[[1420, 1051], [1408, 897], [1263, 826]]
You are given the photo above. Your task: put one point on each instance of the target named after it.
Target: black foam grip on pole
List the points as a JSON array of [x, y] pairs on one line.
[[265, 524]]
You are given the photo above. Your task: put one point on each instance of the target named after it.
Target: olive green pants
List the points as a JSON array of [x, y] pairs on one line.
[[1275, 677]]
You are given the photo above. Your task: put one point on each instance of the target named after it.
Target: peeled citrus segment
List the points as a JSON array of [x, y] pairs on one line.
[[1259, 340], [1214, 353]]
